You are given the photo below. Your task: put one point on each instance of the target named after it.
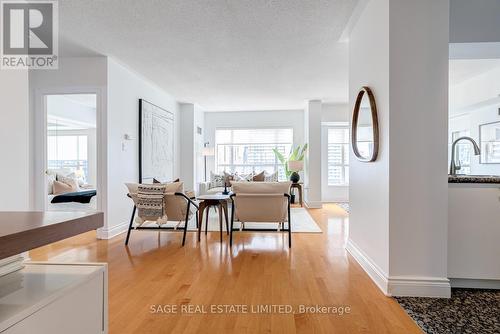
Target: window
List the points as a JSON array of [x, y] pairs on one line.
[[463, 154], [338, 156], [68, 151], [251, 150]]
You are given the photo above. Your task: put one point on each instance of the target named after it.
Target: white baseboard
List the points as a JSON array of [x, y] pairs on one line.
[[416, 286], [313, 205], [371, 268], [475, 283], [108, 233], [408, 286]]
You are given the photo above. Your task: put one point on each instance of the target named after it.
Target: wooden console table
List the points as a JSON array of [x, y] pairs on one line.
[[23, 231]]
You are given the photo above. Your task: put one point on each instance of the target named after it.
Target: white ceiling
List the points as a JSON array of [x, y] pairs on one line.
[[222, 55], [465, 69]]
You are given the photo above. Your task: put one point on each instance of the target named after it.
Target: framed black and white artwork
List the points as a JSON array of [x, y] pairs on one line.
[[489, 137], [156, 143]]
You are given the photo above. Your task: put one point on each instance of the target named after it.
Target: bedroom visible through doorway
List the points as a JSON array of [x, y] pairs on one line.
[[71, 152]]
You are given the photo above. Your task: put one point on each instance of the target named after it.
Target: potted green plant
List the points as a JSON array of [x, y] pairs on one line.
[[290, 162]]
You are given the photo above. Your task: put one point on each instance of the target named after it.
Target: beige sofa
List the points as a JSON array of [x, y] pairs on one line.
[[207, 188], [204, 189], [261, 202]]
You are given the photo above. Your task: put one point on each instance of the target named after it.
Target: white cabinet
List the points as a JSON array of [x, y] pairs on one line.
[[46, 298], [474, 234]]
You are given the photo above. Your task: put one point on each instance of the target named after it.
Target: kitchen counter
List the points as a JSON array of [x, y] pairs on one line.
[[473, 233], [43, 297], [23, 231], [474, 179]]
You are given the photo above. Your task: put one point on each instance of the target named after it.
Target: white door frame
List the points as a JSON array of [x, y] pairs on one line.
[[40, 142]]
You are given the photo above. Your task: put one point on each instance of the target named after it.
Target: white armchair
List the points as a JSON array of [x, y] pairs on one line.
[[177, 206], [266, 202]]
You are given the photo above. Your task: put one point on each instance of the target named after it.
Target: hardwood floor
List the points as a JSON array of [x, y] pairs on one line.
[[259, 270]]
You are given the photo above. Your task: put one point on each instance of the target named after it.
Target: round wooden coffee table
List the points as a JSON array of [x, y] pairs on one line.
[[217, 201]]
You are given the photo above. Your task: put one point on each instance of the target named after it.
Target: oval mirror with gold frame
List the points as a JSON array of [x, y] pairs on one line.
[[364, 131]]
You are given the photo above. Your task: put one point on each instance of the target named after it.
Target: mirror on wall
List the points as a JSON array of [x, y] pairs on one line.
[[365, 135]]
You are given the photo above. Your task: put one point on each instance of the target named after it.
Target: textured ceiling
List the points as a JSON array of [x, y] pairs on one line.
[[222, 55]]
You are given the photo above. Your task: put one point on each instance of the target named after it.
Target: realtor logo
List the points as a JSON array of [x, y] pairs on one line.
[[29, 34]]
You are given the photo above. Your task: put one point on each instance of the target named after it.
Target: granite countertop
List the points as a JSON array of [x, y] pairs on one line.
[[474, 179]]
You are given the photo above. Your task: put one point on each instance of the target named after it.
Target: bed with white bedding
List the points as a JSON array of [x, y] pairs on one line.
[[69, 199]]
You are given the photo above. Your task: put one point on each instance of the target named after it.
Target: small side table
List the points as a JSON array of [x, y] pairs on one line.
[[207, 201], [298, 186]]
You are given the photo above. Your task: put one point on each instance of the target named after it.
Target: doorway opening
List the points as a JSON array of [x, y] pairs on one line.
[[71, 152]]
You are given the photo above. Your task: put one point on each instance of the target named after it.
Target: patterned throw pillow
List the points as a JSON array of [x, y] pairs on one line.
[[243, 177], [216, 180], [228, 178], [271, 177], [50, 182], [261, 177]]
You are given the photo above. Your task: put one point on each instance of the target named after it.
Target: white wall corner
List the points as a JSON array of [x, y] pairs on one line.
[[113, 231], [356, 13], [378, 276]]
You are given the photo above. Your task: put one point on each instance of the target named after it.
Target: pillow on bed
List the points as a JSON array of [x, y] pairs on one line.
[[50, 183], [69, 180], [63, 188]]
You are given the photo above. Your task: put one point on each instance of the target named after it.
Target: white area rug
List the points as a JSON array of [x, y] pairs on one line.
[[344, 206], [302, 222]]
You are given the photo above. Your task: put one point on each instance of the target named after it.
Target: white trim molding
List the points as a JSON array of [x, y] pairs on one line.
[[408, 286], [470, 283], [417, 286], [113, 231], [369, 266]]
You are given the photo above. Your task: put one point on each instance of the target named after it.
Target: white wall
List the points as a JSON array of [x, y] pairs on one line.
[[191, 145], [332, 112], [253, 119], [199, 140], [14, 140], [125, 88], [313, 161], [186, 119], [398, 221], [369, 182], [419, 35]]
